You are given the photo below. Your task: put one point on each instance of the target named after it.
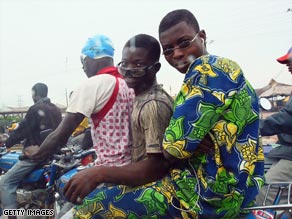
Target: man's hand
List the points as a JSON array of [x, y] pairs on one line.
[[81, 184], [207, 145], [31, 151]]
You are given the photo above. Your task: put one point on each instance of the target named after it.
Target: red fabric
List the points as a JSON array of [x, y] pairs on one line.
[[110, 70], [97, 117]]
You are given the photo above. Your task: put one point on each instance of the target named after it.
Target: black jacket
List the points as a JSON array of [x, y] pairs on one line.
[[280, 124], [41, 116]]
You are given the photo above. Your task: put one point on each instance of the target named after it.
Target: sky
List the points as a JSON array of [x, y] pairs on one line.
[[41, 40]]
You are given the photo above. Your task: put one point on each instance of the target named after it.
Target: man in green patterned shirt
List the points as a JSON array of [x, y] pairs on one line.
[[215, 100]]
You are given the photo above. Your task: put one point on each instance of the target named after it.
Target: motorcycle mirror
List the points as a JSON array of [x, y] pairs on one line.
[[265, 103]]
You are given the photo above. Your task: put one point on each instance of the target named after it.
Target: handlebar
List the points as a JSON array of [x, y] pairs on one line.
[[64, 157], [69, 160], [84, 154], [58, 156], [22, 157], [75, 156], [3, 150]]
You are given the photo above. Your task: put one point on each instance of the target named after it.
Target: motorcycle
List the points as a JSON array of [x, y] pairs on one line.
[[3, 138], [266, 105], [41, 188], [276, 210]]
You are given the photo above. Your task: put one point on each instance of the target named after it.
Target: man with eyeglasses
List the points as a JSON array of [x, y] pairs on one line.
[[142, 188], [215, 100], [151, 113]]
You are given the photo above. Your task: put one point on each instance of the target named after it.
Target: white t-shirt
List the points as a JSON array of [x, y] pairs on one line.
[[112, 139], [91, 96]]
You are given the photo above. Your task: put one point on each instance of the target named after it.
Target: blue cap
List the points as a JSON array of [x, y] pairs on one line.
[[98, 46]]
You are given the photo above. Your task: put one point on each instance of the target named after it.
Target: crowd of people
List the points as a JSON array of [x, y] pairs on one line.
[[195, 156]]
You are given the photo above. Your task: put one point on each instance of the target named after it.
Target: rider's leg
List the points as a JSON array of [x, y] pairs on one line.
[[126, 202], [10, 181], [280, 171]]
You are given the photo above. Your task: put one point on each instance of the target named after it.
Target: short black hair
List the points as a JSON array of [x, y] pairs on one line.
[[177, 16], [40, 89], [148, 42]]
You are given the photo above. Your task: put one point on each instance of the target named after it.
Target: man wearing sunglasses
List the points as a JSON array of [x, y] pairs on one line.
[[151, 113], [216, 100], [145, 181]]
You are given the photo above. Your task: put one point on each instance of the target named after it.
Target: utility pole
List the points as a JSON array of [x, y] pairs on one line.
[[66, 93], [66, 71], [66, 64], [19, 100], [289, 10]]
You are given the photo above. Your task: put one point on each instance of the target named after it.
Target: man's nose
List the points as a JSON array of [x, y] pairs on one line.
[[177, 53]]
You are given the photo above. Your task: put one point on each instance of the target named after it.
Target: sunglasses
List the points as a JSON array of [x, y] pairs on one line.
[[182, 45], [134, 72]]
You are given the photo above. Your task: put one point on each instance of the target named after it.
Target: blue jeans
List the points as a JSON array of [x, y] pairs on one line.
[[10, 181]]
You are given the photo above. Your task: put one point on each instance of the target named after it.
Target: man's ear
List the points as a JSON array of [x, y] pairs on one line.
[[157, 66], [202, 35]]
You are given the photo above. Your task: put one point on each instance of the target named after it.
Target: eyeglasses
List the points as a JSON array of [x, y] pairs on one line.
[[182, 45], [134, 72]]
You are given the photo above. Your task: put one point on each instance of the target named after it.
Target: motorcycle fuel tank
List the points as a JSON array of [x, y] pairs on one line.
[[63, 180], [8, 160]]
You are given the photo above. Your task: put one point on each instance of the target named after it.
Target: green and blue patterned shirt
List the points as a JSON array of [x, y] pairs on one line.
[[216, 100]]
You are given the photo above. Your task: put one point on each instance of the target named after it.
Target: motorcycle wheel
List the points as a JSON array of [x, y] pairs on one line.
[[285, 215], [67, 206]]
